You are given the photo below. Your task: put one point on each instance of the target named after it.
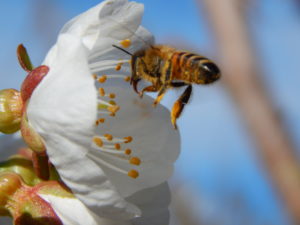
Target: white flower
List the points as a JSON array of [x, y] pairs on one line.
[[152, 201], [104, 165]]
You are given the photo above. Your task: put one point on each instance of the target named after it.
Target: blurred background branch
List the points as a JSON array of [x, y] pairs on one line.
[[241, 75]]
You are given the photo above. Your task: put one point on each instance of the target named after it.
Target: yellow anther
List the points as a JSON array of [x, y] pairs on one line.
[[112, 102], [95, 76], [117, 146], [127, 78], [109, 137], [127, 151], [101, 120], [102, 79], [118, 66], [113, 108], [112, 114], [101, 91], [98, 141], [127, 139], [125, 43], [112, 95], [135, 161], [133, 174]]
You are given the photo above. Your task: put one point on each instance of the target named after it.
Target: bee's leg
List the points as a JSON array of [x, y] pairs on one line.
[[151, 88], [179, 105], [160, 95]]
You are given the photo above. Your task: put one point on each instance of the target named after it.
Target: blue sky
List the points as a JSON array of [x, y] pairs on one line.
[[218, 156]]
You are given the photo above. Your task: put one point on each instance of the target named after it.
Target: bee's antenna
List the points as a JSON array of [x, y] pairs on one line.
[[122, 49]]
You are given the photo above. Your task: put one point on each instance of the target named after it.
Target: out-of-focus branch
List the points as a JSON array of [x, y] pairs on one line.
[[241, 76], [182, 207]]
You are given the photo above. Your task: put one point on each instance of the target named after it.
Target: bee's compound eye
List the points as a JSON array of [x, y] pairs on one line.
[[210, 72]]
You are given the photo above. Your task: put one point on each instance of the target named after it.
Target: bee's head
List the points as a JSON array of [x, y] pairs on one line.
[[209, 72], [136, 63]]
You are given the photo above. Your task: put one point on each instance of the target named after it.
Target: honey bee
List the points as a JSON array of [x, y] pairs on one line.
[[167, 67]]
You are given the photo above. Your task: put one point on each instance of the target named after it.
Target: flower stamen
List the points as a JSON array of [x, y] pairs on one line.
[[110, 147], [95, 76], [112, 102], [98, 159], [127, 79], [128, 151], [133, 173], [101, 92], [113, 108], [102, 79], [109, 137], [112, 95], [125, 43], [117, 146], [135, 161], [127, 139], [98, 141], [118, 66]]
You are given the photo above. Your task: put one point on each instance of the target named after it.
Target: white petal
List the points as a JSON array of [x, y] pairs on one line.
[[154, 203], [71, 211], [116, 19], [155, 141], [62, 110], [103, 49]]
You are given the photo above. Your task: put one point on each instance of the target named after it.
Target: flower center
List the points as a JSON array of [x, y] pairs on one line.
[[110, 151]]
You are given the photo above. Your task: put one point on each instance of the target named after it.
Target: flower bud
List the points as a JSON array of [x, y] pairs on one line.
[[11, 106], [9, 183]]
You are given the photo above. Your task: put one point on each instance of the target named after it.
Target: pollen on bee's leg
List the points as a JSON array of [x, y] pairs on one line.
[[135, 161], [125, 43], [133, 174], [175, 112]]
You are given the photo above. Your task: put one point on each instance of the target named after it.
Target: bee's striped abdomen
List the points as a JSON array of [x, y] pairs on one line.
[[194, 68]]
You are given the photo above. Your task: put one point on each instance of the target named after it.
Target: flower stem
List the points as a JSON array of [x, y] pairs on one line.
[[41, 165]]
